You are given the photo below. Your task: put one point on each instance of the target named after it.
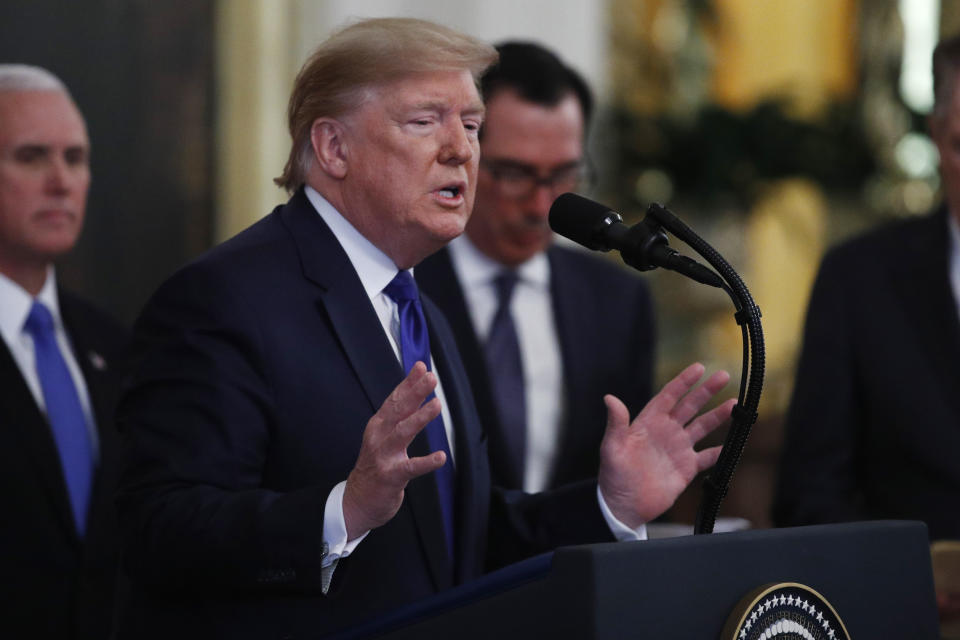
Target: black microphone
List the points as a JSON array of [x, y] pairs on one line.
[[642, 246]]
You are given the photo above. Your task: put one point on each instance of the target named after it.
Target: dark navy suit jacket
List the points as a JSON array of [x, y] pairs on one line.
[[260, 365], [874, 426], [53, 584], [605, 327]]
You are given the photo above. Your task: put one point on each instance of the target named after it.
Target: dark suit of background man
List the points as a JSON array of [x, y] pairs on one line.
[[874, 426], [59, 457], [268, 490], [584, 326]]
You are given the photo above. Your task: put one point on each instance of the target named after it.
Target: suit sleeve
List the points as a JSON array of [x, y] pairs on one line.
[[523, 525], [817, 476], [197, 422]]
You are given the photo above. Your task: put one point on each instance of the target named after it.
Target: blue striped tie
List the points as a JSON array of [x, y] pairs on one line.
[[414, 346], [65, 413]]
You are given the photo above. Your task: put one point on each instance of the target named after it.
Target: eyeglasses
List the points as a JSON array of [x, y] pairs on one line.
[[518, 181]]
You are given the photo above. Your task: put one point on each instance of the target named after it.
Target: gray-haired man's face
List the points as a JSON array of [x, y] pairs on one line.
[[44, 175]]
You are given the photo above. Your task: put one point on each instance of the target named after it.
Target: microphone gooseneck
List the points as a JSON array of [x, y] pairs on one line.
[[644, 247]]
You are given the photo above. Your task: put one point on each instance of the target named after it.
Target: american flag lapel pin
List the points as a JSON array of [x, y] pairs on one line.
[[97, 361]]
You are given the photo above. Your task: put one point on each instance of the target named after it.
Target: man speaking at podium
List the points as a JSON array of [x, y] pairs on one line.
[[302, 448]]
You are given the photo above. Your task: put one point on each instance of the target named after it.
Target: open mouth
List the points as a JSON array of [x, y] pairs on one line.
[[451, 191]]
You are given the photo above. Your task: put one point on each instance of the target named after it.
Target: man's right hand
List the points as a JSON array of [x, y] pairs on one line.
[[375, 486]]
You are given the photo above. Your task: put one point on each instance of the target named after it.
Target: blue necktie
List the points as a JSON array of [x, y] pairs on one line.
[[414, 346], [505, 367], [64, 412]]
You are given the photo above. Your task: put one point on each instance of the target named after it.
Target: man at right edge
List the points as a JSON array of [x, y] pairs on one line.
[[873, 428]]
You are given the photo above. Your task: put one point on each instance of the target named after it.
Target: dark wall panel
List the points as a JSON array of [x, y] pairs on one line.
[[142, 74]]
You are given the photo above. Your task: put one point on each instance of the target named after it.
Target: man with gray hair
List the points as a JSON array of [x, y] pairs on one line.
[[58, 464], [304, 451], [873, 429]]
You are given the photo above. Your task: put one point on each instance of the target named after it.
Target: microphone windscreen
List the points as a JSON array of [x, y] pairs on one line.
[[582, 220]]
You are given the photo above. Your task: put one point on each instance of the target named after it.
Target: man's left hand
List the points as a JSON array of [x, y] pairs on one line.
[[647, 463]]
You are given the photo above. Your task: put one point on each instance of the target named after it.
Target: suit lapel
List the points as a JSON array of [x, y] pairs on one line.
[[342, 298], [572, 321], [921, 280], [97, 371], [470, 458], [439, 280], [30, 433], [353, 320], [102, 381], [422, 494]]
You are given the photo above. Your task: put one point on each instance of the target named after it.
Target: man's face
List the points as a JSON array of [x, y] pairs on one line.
[[412, 156], [523, 139], [44, 176], [945, 131]]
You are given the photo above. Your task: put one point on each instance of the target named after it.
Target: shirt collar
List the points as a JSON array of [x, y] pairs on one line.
[[373, 266], [477, 269], [15, 303]]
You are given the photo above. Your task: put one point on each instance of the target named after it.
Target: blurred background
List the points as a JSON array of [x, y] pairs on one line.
[[775, 129]]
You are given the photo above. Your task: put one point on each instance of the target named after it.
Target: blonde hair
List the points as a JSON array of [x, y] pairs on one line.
[[367, 54]]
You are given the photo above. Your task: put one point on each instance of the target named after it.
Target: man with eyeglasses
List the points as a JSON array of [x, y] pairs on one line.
[[544, 331]]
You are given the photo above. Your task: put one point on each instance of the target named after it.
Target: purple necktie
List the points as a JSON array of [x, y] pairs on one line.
[[415, 346], [505, 367], [64, 412]]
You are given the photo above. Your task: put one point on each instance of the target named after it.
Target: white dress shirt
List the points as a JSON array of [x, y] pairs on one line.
[[15, 304]]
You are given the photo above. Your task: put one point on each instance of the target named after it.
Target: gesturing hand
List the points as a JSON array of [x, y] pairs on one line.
[[646, 464], [375, 486]]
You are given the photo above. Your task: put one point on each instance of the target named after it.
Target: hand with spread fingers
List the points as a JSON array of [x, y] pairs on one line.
[[376, 485], [647, 463]]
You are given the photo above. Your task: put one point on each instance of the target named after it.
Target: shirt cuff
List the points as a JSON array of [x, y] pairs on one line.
[[335, 534], [620, 531]]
